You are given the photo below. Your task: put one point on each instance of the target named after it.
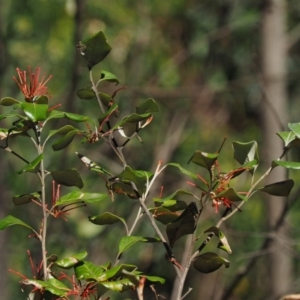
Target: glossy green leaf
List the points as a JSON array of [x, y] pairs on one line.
[[65, 140], [85, 270], [68, 178], [71, 261], [155, 279], [110, 77], [115, 272], [209, 262], [203, 159], [10, 220], [164, 215], [106, 218], [25, 198], [55, 114], [119, 285], [53, 285], [231, 194], [289, 138], [34, 111], [282, 188], [183, 225], [86, 94], [41, 99], [11, 115], [286, 164], [75, 117], [63, 130], [33, 167], [94, 49], [76, 196], [149, 106], [223, 244], [106, 99], [128, 241], [295, 127], [133, 118], [183, 170], [8, 101], [172, 205]]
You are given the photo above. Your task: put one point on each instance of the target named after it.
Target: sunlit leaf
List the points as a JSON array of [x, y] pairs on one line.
[[71, 261], [76, 196], [295, 127], [115, 272], [10, 220], [286, 164], [33, 167], [34, 111], [172, 205], [289, 138], [110, 77], [128, 241], [75, 117], [183, 170]]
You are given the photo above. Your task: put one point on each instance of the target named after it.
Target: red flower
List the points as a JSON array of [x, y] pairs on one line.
[[33, 88]]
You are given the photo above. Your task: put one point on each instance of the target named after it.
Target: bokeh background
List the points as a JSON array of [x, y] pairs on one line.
[[222, 68]]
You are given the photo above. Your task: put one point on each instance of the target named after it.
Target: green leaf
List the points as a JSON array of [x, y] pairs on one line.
[[68, 178], [231, 194], [172, 205], [286, 164], [85, 270], [106, 218], [53, 285], [183, 225], [10, 220], [55, 114], [86, 94], [65, 140], [113, 108], [63, 130], [123, 181], [8, 101], [34, 111], [128, 241], [110, 77], [183, 170], [76, 196], [155, 279], [119, 285], [282, 188], [203, 159], [295, 127], [289, 138], [25, 198], [149, 106], [33, 167], [75, 117], [71, 261], [209, 262], [115, 272], [41, 99], [164, 215], [133, 118], [106, 99], [94, 49], [91, 165], [245, 152], [223, 244]]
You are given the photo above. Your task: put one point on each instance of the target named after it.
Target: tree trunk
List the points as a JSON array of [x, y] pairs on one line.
[[274, 114]]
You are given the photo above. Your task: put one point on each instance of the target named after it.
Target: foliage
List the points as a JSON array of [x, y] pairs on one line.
[[177, 217]]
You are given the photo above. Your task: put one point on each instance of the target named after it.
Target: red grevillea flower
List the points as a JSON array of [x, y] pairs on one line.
[[33, 87]]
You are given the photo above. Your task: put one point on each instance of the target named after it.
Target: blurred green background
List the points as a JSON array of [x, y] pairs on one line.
[[201, 62]]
